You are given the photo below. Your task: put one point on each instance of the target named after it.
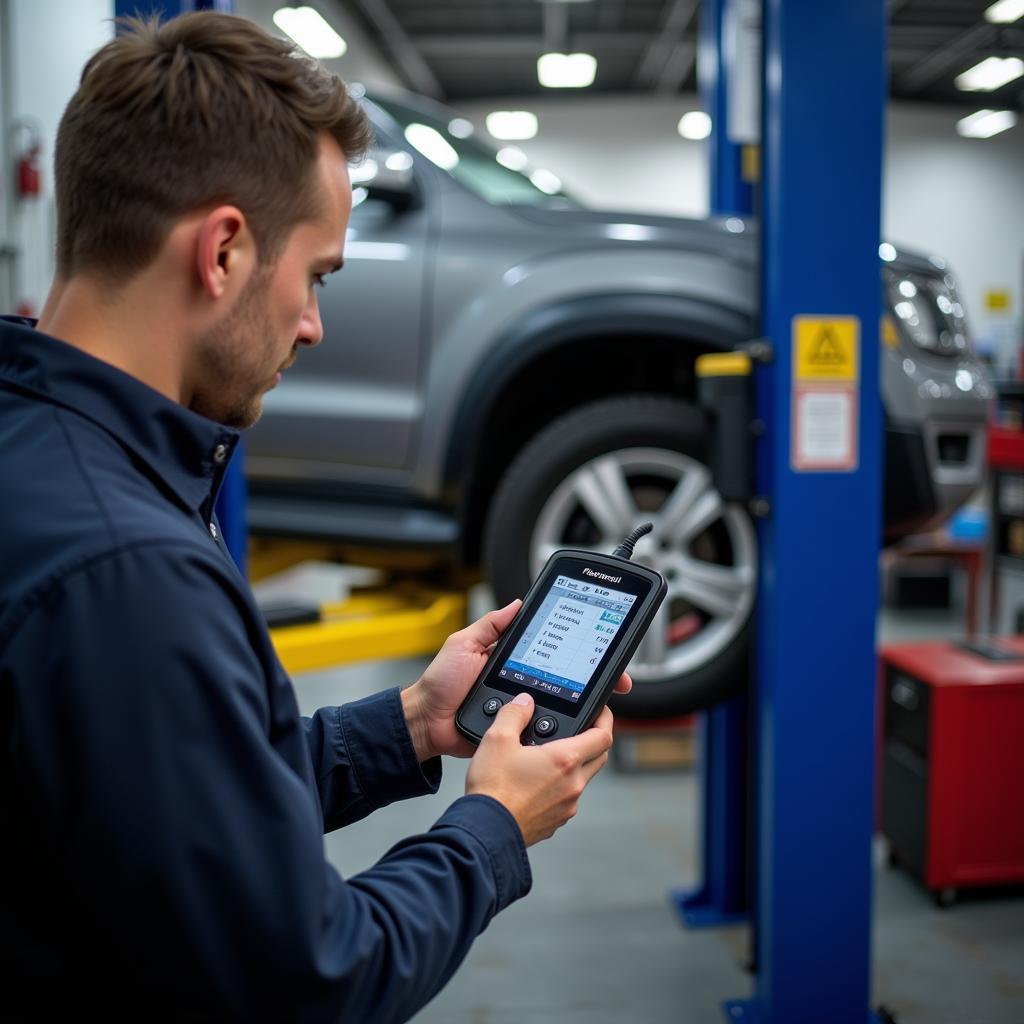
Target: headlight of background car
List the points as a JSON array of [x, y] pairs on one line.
[[930, 313]]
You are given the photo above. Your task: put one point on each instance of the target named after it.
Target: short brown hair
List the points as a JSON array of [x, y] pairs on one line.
[[201, 110]]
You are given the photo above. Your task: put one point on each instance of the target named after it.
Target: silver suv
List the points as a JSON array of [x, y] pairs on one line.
[[505, 373]]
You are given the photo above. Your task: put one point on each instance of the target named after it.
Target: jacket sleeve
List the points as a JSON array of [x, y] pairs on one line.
[[363, 758], [191, 832]]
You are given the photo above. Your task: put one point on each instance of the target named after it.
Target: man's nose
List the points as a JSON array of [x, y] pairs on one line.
[[311, 329]]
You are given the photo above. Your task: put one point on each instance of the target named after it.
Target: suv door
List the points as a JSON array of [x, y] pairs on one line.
[[351, 404]]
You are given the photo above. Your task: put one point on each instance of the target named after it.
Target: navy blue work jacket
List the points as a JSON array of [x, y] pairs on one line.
[[163, 803]]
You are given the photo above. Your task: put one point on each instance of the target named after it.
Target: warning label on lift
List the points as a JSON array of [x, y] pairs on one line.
[[826, 349], [826, 372]]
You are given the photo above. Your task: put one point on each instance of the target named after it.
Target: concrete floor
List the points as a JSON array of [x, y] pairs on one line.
[[597, 941]]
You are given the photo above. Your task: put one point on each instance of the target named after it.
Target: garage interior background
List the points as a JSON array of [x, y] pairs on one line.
[[960, 198], [957, 197]]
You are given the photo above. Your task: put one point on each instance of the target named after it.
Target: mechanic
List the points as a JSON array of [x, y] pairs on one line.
[[164, 804]]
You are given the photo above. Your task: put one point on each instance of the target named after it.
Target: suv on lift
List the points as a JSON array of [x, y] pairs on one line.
[[505, 373]]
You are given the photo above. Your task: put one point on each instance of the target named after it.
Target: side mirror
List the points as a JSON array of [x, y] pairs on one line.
[[386, 175]]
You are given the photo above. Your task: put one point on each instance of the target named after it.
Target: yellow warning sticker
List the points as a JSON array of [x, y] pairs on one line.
[[997, 300], [826, 348]]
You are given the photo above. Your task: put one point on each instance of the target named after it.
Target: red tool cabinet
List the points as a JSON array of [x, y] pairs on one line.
[[952, 760]]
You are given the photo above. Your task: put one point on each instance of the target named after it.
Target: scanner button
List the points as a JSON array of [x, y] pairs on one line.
[[492, 706], [545, 726]]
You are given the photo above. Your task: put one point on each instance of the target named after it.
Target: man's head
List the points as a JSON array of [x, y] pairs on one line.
[[211, 140]]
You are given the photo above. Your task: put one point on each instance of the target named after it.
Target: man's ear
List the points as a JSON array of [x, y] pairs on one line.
[[225, 252]]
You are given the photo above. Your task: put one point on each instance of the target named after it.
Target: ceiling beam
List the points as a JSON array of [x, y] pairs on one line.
[[675, 21], [677, 69], [556, 27], [407, 58], [469, 46], [609, 14], [946, 58]]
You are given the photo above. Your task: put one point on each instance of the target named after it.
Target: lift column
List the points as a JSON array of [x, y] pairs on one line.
[[819, 466]]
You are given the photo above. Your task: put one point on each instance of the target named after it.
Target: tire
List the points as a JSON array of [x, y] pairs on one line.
[[565, 489]]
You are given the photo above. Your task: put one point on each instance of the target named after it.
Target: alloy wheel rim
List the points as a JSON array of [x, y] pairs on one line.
[[705, 548]]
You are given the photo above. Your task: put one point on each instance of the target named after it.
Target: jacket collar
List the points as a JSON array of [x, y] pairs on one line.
[[186, 451]]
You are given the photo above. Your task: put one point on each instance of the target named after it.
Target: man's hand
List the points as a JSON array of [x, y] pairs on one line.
[[431, 702], [540, 785]]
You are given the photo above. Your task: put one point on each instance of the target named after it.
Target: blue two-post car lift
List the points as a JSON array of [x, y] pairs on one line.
[[809, 730]]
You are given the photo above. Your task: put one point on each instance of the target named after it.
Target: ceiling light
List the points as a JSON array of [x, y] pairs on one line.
[[400, 161], [1005, 11], [887, 252], [461, 127], [566, 70], [983, 124], [546, 181], [308, 28], [511, 157], [512, 124], [432, 144], [630, 232], [694, 124], [991, 73]]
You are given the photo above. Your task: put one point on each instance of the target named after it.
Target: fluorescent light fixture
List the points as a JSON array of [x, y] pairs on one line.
[[432, 144], [991, 73], [307, 27], [694, 124], [887, 252], [512, 124], [1005, 11], [566, 70], [461, 127], [400, 161], [546, 181], [511, 157], [630, 232], [391, 251], [983, 124]]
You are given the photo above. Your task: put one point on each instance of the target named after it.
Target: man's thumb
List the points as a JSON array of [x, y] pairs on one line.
[[516, 713]]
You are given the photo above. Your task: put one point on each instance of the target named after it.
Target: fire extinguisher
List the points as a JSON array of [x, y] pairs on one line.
[[28, 178]]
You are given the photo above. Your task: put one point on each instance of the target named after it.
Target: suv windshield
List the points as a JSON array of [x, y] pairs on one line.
[[495, 175]]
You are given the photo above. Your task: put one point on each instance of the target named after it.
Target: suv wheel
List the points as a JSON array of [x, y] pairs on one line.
[[588, 479]]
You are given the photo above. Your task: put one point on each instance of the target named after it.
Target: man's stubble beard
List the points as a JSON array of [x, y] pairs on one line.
[[224, 394]]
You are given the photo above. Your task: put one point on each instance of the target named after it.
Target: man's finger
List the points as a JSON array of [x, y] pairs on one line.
[[487, 629], [594, 765], [589, 744], [605, 720], [625, 683]]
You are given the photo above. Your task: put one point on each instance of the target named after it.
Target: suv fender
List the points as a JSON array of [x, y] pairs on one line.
[[608, 326]]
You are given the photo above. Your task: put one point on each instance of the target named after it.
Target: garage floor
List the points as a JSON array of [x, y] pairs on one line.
[[596, 941]]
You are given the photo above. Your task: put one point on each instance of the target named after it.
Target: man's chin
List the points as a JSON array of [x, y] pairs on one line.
[[247, 417], [237, 419]]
